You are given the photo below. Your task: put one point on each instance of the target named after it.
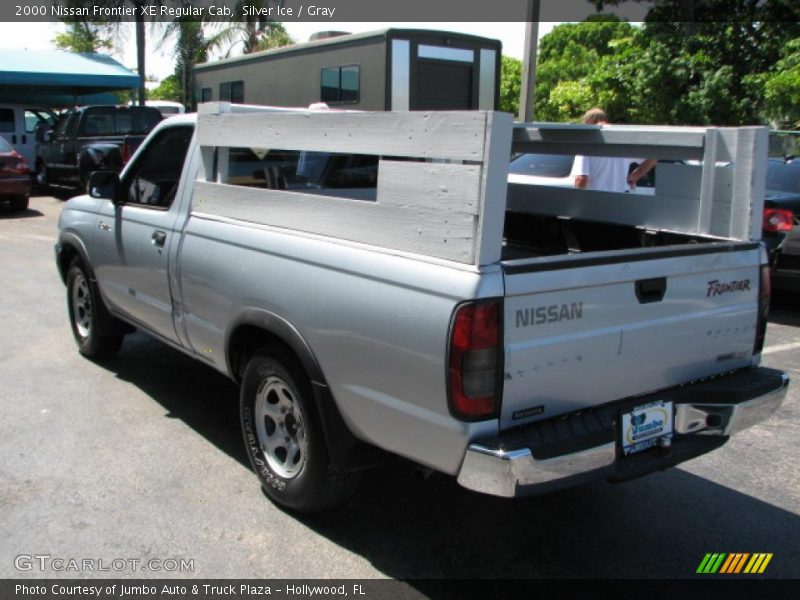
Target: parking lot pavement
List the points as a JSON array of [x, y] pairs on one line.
[[140, 458]]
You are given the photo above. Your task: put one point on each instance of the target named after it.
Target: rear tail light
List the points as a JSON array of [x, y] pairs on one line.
[[20, 167], [127, 152], [778, 220], [764, 294], [475, 361]]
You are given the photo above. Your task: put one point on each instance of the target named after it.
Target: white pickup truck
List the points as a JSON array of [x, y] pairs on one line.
[[377, 288]]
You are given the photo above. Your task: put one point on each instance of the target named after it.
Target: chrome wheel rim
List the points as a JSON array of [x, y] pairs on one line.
[[280, 428], [81, 305]]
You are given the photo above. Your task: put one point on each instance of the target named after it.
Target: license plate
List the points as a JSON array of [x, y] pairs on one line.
[[645, 425]]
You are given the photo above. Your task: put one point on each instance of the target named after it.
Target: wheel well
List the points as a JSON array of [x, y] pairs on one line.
[[346, 452], [245, 340], [65, 257]]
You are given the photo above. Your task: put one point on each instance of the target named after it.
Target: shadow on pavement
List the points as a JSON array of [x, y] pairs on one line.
[[7, 213], [659, 526], [201, 397], [784, 308], [61, 193]]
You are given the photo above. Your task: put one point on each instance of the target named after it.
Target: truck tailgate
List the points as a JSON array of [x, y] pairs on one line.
[[582, 331]]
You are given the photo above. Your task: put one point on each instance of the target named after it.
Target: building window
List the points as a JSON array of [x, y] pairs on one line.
[[231, 91], [206, 95], [340, 84]]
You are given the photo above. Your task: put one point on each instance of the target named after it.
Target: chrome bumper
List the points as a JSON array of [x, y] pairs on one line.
[[503, 472]]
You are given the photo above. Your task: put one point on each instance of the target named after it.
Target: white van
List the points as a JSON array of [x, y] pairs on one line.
[[18, 124]]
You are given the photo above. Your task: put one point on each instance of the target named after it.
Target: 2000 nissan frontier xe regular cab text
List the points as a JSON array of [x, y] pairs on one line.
[[378, 288]]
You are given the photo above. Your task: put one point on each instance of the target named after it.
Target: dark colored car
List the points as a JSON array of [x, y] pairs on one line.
[[782, 221], [15, 178]]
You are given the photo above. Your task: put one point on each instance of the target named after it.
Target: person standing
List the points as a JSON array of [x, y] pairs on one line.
[[606, 173]]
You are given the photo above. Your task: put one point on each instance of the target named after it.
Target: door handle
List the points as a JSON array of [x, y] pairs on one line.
[[14, 138], [159, 237], [24, 139], [651, 290], [104, 226]]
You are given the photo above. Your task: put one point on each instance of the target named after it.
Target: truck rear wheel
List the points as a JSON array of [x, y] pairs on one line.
[[284, 437], [88, 317]]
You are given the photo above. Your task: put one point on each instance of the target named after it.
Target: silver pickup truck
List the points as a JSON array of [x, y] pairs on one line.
[[377, 287]]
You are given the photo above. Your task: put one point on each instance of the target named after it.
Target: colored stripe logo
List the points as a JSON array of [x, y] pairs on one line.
[[734, 563]]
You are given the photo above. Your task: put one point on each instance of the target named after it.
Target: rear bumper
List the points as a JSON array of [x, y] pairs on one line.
[[571, 449], [15, 187]]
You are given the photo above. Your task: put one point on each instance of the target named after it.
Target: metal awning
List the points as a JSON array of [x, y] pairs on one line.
[[55, 77]]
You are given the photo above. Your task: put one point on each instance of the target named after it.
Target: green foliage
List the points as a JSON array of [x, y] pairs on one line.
[[583, 65], [274, 35], [253, 33], [781, 87], [510, 82], [169, 89], [85, 36], [737, 62]]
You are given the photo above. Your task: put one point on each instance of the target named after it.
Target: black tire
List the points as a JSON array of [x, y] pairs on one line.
[[284, 438], [20, 203], [97, 333], [42, 176]]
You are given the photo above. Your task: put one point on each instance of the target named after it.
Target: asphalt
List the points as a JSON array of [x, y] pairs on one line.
[[140, 458]]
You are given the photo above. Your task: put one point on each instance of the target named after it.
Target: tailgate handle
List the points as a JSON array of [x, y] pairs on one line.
[[651, 290]]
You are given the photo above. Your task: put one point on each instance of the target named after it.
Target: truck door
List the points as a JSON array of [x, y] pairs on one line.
[[55, 155], [134, 239]]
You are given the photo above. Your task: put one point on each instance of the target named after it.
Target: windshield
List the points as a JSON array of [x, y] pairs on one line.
[[543, 165], [783, 176]]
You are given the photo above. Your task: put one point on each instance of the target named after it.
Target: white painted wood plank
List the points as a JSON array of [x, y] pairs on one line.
[[673, 213], [438, 186], [435, 233], [445, 135], [749, 180], [494, 184], [645, 141], [705, 202]]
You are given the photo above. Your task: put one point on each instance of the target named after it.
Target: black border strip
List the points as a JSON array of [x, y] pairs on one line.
[[594, 261]]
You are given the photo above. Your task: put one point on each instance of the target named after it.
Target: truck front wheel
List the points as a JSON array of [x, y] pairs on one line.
[[42, 176], [89, 322], [284, 437]]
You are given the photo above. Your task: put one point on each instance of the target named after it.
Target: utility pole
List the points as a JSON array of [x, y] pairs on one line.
[[527, 95]]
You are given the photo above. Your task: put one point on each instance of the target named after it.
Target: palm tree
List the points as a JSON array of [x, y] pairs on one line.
[[191, 46], [254, 33]]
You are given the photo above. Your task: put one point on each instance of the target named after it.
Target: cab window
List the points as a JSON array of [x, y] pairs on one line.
[[153, 180]]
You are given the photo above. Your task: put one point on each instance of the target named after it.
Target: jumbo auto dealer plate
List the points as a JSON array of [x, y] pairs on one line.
[[645, 425]]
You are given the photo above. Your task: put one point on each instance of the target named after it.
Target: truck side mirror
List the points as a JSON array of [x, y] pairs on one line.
[[42, 133], [106, 185]]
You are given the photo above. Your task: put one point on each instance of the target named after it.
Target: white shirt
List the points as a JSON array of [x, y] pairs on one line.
[[609, 174]]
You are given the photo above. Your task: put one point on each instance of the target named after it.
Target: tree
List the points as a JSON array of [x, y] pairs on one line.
[[85, 36], [253, 33], [169, 89], [583, 65], [510, 82], [781, 86], [734, 64], [191, 46]]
